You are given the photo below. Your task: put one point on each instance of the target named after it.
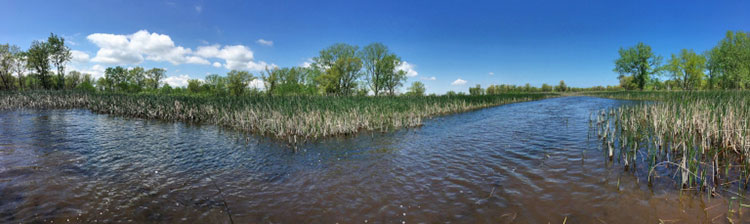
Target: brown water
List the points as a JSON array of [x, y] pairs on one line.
[[533, 162]]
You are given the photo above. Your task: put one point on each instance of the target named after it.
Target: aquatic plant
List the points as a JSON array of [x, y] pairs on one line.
[[291, 118], [699, 134]]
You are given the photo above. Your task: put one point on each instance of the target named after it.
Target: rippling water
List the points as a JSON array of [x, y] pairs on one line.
[[532, 162]]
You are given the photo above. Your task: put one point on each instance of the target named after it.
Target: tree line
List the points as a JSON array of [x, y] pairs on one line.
[[340, 69], [725, 66], [45, 62]]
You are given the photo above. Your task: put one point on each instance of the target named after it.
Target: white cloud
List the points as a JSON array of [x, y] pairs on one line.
[[175, 81], [134, 48], [408, 68], [257, 83], [79, 56], [431, 78], [264, 42], [458, 82], [199, 8], [307, 63], [96, 71], [491, 73], [236, 57]]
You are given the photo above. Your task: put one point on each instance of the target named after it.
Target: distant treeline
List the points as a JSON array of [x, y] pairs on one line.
[[340, 70], [725, 66]]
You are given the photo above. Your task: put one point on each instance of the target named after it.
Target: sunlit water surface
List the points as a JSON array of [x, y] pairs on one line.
[[532, 162]]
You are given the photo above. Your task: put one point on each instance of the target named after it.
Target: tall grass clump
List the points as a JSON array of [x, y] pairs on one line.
[[291, 118], [701, 135]]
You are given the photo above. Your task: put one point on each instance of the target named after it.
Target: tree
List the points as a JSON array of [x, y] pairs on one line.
[[341, 68], [194, 85], [216, 84], [729, 61], [237, 82], [18, 65], [376, 68], [72, 80], [392, 77], [476, 91], [137, 78], [561, 87], [713, 67], [7, 59], [546, 88], [687, 69], [38, 59], [639, 62], [271, 79], [154, 76], [116, 78], [416, 89], [60, 55]]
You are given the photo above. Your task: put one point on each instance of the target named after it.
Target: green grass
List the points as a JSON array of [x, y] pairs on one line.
[[702, 134], [291, 118]]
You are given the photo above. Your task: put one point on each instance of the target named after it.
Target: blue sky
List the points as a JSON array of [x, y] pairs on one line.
[[480, 42]]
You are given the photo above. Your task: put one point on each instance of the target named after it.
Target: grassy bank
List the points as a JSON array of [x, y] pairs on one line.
[[701, 134], [292, 118]]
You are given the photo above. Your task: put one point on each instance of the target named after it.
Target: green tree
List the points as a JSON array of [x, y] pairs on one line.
[[639, 62], [216, 84], [116, 78], [341, 68], [729, 61], [687, 69], [72, 80], [137, 78], [237, 82], [38, 59], [194, 85], [377, 68], [7, 61], [476, 91], [60, 55], [154, 76], [393, 78], [561, 87], [546, 88], [713, 67], [416, 89], [18, 65], [271, 78]]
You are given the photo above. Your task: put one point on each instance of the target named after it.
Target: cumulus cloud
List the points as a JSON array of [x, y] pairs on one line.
[[264, 42], [408, 68], [134, 48], [431, 78], [491, 73], [96, 71], [458, 82], [175, 81], [79, 56], [236, 57], [307, 63]]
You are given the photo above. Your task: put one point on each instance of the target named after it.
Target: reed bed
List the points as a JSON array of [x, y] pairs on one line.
[[291, 118], [700, 135]]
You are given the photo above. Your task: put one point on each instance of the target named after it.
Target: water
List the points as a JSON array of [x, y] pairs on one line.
[[532, 162]]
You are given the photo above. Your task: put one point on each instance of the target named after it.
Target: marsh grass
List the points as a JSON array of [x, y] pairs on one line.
[[290, 118], [701, 135]]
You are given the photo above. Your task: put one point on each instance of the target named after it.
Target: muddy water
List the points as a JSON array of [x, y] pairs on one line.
[[533, 162]]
